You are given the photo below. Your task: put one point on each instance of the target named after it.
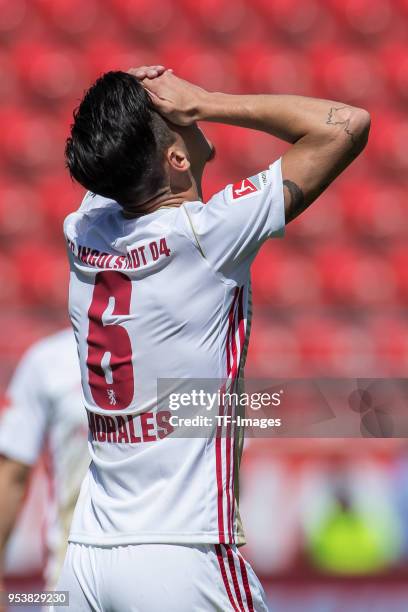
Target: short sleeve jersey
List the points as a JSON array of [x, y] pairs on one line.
[[162, 296]]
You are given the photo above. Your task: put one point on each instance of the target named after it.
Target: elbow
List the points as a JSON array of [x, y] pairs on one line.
[[348, 128], [362, 120], [360, 123]]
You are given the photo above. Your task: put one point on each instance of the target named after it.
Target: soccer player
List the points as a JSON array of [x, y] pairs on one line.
[[44, 411], [160, 289]]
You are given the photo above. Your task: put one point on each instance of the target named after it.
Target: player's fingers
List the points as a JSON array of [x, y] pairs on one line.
[[141, 72], [156, 71], [137, 71], [152, 73]]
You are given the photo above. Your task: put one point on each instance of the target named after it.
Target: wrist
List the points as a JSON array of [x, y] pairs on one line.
[[211, 106]]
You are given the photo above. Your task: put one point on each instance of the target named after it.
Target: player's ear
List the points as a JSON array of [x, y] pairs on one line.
[[177, 159]]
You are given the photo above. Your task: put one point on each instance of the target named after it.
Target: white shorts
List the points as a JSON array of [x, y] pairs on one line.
[[158, 578]]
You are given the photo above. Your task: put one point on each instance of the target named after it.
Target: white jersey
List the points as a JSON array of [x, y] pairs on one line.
[[163, 295], [44, 412]]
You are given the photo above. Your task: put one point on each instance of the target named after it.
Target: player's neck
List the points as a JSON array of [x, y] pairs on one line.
[[164, 199]]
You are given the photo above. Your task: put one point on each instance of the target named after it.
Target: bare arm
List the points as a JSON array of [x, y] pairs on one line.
[[326, 135], [13, 482]]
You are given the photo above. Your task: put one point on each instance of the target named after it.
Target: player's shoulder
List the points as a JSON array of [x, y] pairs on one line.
[[91, 211], [250, 187], [63, 339], [52, 348], [97, 204]]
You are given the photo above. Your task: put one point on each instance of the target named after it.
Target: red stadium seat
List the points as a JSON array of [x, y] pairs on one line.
[[403, 6], [333, 66], [282, 276], [20, 329], [270, 69], [72, 17], [370, 19], [355, 276], [30, 141], [314, 336], [323, 220], [9, 287], [335, 347], [144, 16], [394, 65], [274, 350], [399, 262], [58, 196], [210, 67], [376, 209], [248, 151], [387, 144], [49, 72], [20, 214], [222, 17], [103, 54], [15, 15], [352, 351], [42, 271], [9, 86], [294, 18], [217, 177], [391, 343]]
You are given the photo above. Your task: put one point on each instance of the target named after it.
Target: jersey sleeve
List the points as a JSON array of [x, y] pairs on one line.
[[24, 418], [232, 226]]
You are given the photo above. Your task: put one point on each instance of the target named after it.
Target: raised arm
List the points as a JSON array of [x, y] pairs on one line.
[[326, 135]]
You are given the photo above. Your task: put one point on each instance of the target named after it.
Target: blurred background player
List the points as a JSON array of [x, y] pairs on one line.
[[43, 415]]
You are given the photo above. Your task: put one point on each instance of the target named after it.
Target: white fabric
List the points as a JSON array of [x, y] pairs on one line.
[[165, 295], [156, 577]]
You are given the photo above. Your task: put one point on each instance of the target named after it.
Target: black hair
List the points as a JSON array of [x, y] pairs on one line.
[[117, 140]]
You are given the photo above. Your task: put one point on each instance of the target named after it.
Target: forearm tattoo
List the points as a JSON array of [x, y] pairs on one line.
[[336, 116], [297, 203]]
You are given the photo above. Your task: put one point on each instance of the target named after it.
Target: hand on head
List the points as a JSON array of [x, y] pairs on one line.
[[174, 98]]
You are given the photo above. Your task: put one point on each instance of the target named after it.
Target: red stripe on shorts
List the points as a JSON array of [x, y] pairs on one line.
[[220, 558], [246, 583], [230, 556]]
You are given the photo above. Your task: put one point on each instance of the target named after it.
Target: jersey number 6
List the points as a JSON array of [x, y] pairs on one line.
[[109, 361]]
